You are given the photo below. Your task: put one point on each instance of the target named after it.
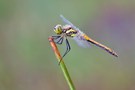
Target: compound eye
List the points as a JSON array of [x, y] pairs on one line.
[[58, 29], [54, 28]]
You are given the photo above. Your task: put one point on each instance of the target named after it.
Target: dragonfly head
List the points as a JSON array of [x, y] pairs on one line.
[[58, 29]]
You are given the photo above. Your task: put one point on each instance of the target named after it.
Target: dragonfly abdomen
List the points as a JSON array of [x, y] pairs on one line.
[[109, 50]]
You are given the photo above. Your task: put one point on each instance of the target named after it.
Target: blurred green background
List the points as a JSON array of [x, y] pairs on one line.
[[27, 61]]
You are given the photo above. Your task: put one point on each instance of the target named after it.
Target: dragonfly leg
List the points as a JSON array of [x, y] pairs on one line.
[[68, 47], [56, 37], [60, 41]]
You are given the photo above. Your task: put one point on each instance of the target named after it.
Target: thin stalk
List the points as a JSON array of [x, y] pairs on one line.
[[62, 64]]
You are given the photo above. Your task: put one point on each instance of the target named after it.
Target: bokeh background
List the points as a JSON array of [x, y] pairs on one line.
[[27, 61]]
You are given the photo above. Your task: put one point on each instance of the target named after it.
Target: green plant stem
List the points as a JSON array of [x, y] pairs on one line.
[[62, 64]]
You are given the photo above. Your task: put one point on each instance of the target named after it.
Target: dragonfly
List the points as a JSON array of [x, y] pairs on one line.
[[70, 30]]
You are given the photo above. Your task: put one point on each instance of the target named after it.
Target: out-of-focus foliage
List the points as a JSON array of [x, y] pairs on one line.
[[27, 61]]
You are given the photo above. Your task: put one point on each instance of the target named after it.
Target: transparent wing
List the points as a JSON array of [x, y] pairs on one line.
[[68, 22], [81, 41]]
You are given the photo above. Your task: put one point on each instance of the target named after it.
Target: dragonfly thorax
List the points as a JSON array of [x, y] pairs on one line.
[[71, 32], [66, 27]]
